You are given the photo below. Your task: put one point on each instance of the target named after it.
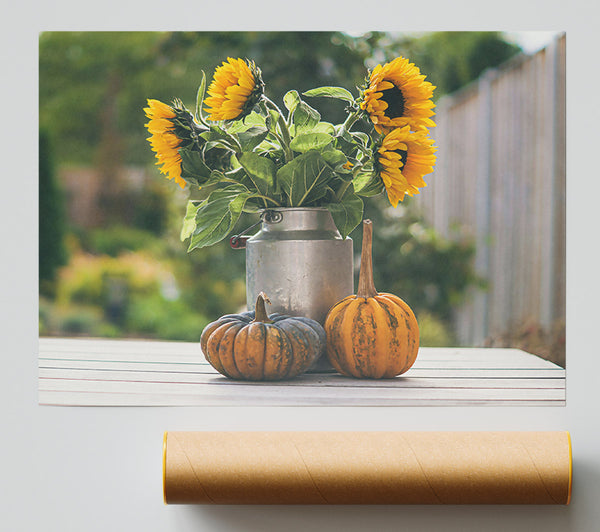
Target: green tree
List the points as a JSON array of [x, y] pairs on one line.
[[452, 59], [52, 222], [92, 90], [456, 58]]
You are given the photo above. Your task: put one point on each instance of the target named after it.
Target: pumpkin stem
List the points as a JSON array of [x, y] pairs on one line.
[[260, 312], [366, 286]]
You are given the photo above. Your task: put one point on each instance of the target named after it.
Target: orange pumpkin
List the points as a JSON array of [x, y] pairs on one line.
[[255, 346], [370, 334]]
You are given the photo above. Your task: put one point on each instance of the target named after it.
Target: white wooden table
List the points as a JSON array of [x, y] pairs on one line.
[[156, 373]]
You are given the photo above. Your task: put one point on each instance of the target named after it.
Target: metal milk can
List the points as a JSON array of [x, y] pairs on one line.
[[299, 259]]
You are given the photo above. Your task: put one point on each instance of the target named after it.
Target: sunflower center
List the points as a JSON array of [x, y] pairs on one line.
[[395, 100]]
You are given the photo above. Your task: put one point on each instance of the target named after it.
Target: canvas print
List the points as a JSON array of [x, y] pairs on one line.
[[302, 218]]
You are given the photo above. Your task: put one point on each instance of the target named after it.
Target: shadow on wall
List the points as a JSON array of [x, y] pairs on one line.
[[380, 518]]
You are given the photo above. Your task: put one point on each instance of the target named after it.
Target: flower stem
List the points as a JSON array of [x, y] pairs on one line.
[[359, 166], [352, 117], [272, 104], [285, 132]]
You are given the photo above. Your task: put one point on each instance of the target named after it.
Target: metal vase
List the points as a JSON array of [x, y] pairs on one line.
[[299, 259]]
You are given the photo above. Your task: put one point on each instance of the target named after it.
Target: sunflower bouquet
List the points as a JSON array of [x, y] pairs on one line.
[[245, 154]]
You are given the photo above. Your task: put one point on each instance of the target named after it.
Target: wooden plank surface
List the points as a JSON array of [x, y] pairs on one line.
[[155, 373]]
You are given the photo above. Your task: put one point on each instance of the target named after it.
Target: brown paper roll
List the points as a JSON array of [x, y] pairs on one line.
[[367, 467]]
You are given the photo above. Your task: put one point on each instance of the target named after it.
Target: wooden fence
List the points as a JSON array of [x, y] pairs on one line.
[[500, 175]]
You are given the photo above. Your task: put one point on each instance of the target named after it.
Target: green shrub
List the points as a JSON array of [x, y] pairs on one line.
[[132, 295], [433, 332], [169, 320], [185, 326], [87, 278], [79, 321], [44, 316], [212, 280], [118, 239], [52, 253]]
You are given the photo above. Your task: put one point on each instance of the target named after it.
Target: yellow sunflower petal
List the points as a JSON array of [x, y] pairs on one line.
[[402, 159], [163, 141], [230, 90]]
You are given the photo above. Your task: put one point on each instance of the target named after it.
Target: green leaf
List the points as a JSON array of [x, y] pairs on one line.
[[218, 135], [367, 184], [200, 99], [252, 120], [310, 141], [361, 136], [334, 157], [341, 133], [261, 170], [352, 141], [217, 215], [331, 92], [189, 221], [272, 119], [219, 179], [291, 100], [252, 207], [324, 127], [252, 137], [305, 178], [305, 118], [210, 144], [274, 150], [193, 167], [216, 176], [348, 213]]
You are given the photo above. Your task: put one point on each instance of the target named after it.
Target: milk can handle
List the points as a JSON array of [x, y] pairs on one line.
[[239, 241]]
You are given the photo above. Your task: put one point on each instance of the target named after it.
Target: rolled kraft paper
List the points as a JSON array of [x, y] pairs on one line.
[[367, 467]]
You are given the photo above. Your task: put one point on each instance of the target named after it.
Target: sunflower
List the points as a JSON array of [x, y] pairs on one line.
[[402, 159], [398, 95], [236, 87], [164, 141]]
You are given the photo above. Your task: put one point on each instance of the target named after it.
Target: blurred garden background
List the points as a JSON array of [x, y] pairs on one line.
[[110, 260]]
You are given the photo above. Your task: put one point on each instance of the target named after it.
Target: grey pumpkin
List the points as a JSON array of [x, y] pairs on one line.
[[256, 346]]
